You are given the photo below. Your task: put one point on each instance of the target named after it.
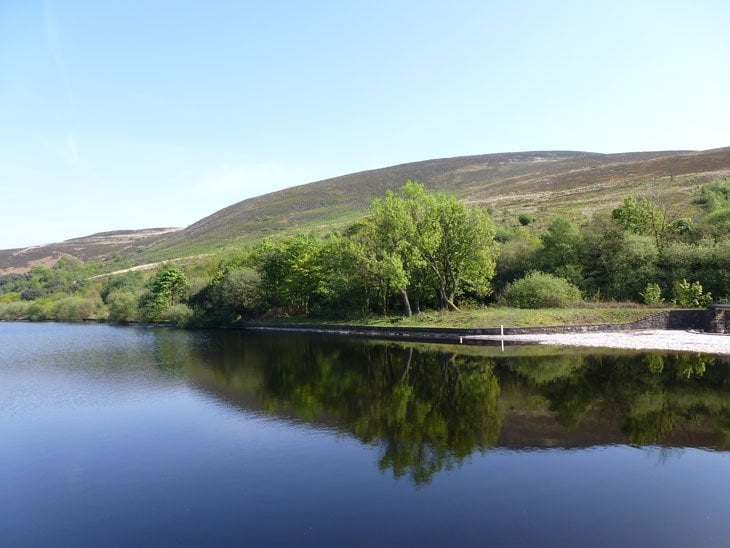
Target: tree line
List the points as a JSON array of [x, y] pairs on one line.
[[414, 250]]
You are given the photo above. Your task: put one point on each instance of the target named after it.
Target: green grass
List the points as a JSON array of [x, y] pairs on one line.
[[493, 316]]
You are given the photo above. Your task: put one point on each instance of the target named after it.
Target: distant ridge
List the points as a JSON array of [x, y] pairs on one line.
[[572, 183], [94, 246]]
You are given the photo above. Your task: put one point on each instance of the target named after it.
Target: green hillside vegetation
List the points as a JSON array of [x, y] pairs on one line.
[[511, 186], [420, 258], [570, 184]]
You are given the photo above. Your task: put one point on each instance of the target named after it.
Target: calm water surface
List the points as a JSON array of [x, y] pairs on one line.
[[129, 436]]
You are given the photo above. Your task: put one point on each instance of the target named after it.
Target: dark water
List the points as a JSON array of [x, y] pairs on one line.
[[125, 436]]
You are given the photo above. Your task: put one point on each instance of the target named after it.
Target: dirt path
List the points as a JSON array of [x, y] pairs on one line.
[[150, 266]]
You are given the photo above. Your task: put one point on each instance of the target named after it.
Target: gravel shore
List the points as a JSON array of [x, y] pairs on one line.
[[682, 341]]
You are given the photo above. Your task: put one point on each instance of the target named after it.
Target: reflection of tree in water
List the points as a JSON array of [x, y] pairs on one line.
[[441, 410], [651, 397], [428, 411], [430, 408]]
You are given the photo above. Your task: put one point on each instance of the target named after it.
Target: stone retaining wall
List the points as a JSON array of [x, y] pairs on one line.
[[709, 321]]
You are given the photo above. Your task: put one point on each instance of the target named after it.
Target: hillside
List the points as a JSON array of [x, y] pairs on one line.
[[573, 183], [564, 182], [100, 245]]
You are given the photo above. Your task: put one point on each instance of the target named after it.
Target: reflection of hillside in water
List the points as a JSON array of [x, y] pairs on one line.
[[429, 408]]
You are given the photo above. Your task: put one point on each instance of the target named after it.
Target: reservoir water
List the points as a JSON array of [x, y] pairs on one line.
[[129, 436]]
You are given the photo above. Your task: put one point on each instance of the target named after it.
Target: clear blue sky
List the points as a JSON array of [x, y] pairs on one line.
[[130, 114]]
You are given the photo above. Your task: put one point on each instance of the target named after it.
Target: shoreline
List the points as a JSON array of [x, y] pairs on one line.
[[598, 336], [650, 339], [642, 335]]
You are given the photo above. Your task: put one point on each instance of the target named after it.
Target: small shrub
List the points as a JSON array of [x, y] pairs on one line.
[[526, 219], [122, 306], [127, 282], [37, 312], [74, 309], [719, 222], [16, 310], [11, 297], [652, 294], [32, 293], [690, 294], [540, 290], [502, 235], [240, 290], [179, 314]]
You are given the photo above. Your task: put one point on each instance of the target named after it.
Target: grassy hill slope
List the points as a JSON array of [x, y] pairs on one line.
[[572, 183], [551, 182]]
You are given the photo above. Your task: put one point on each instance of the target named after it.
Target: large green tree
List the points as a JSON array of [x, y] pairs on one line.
[[561, 250], [651, 217], [290, 272], [392, 242], [454, 241]]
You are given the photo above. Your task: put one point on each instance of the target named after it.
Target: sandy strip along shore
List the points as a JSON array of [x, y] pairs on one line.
[[681, 341]]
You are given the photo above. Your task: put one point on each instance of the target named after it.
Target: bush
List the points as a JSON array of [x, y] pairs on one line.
[[166, 289], [23, 310], [690, 294], [526, 219], [652, 294], [540, 290], [707, 262], [230, 296], [11, 297], [128, 282], [74, 309], [502, 235], [16, 310], [37, 312], [179, 314], [516, 257], [32, 293], [719, 223], [240, 290], [122, 306]]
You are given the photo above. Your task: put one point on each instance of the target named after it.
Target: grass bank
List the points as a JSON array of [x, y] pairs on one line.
[[494, 317]]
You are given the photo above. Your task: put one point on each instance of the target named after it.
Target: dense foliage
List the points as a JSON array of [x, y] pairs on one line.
[[414, 250]]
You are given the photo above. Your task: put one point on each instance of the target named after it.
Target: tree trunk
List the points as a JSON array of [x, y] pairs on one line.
[[408, 365], [406, 303], [443, 305], [446, 301], [450, 301]]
